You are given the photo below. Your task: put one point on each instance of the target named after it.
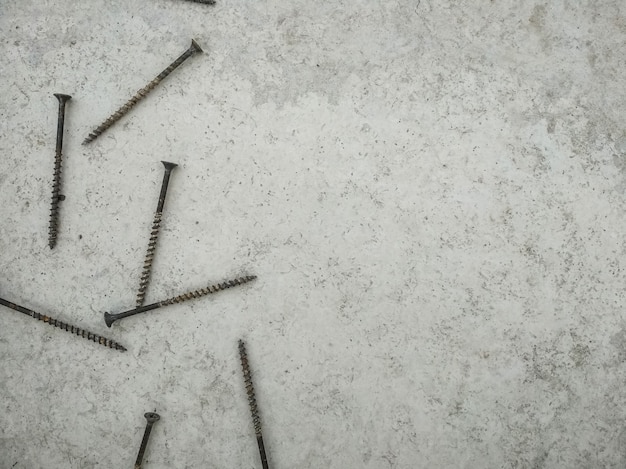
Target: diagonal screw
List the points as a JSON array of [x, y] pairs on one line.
[[154, 235], [56, 182], [151, 418], [256, 420], [142, 93], [109, 318], [64, 326]]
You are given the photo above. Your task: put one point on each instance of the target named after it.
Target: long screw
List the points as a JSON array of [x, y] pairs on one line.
[[64, 326], [142, 93], [111, 318], [206, 2], [256, 420], [56, 183], [151, 417], [154, 235]]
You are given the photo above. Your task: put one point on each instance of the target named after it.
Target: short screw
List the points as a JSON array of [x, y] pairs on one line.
[[109, 318], [151, 417], [64, 326], [154, 235], [142, 93], [256, 420], [56, 183]]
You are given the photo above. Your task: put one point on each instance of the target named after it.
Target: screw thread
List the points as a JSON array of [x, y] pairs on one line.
[[208, 290], [54, 206], [78, 331], [142, 93], [247, 377], [147, 263]]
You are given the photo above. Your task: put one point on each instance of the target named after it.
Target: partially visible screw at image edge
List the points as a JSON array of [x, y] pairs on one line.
[[151, 418], [142, 93], [256, 420], [56, 180], [64, 326]]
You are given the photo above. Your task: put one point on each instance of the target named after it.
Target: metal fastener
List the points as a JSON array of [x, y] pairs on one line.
[[142, 93], [56, 181], [256, 420], [109, 318], [154, 235], [64, 326], [151, 417]]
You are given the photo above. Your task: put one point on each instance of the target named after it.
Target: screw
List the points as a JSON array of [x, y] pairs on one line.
[[142, 93], [206, 2], [64, 326], [154, 235], [56, 182], [256, 420], [111, 318], [151, 417]]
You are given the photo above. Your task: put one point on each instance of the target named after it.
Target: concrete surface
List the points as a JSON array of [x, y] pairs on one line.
[[432, 196]]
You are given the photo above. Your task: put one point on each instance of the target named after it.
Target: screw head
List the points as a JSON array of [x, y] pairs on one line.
[[151, 417], [195, 46], [108, 319], [62, 97], [169, 166]]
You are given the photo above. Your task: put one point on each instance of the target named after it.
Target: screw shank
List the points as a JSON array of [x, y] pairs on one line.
[[264, 463], [13, 306], [63, 98], [111, 318]]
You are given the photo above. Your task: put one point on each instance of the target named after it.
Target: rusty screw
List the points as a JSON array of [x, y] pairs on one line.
[[64, 326], [56, 182], [109, 318], [256, 420], [142, 93], [154, 235], [151, 417]]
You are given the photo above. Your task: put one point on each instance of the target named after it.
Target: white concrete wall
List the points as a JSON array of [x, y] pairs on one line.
[[432, 196]]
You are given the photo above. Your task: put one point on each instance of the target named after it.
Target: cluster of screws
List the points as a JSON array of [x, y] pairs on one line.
[[142, 93], [56, 181], [154, 235], [151, 418], [109, 318], [256, 420], [64, 326]]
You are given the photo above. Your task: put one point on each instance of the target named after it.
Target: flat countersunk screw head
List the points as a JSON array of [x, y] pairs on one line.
[[142, 93], [151, 418]]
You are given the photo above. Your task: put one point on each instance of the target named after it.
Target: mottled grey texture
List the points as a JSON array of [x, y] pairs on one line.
[[432, 196]]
